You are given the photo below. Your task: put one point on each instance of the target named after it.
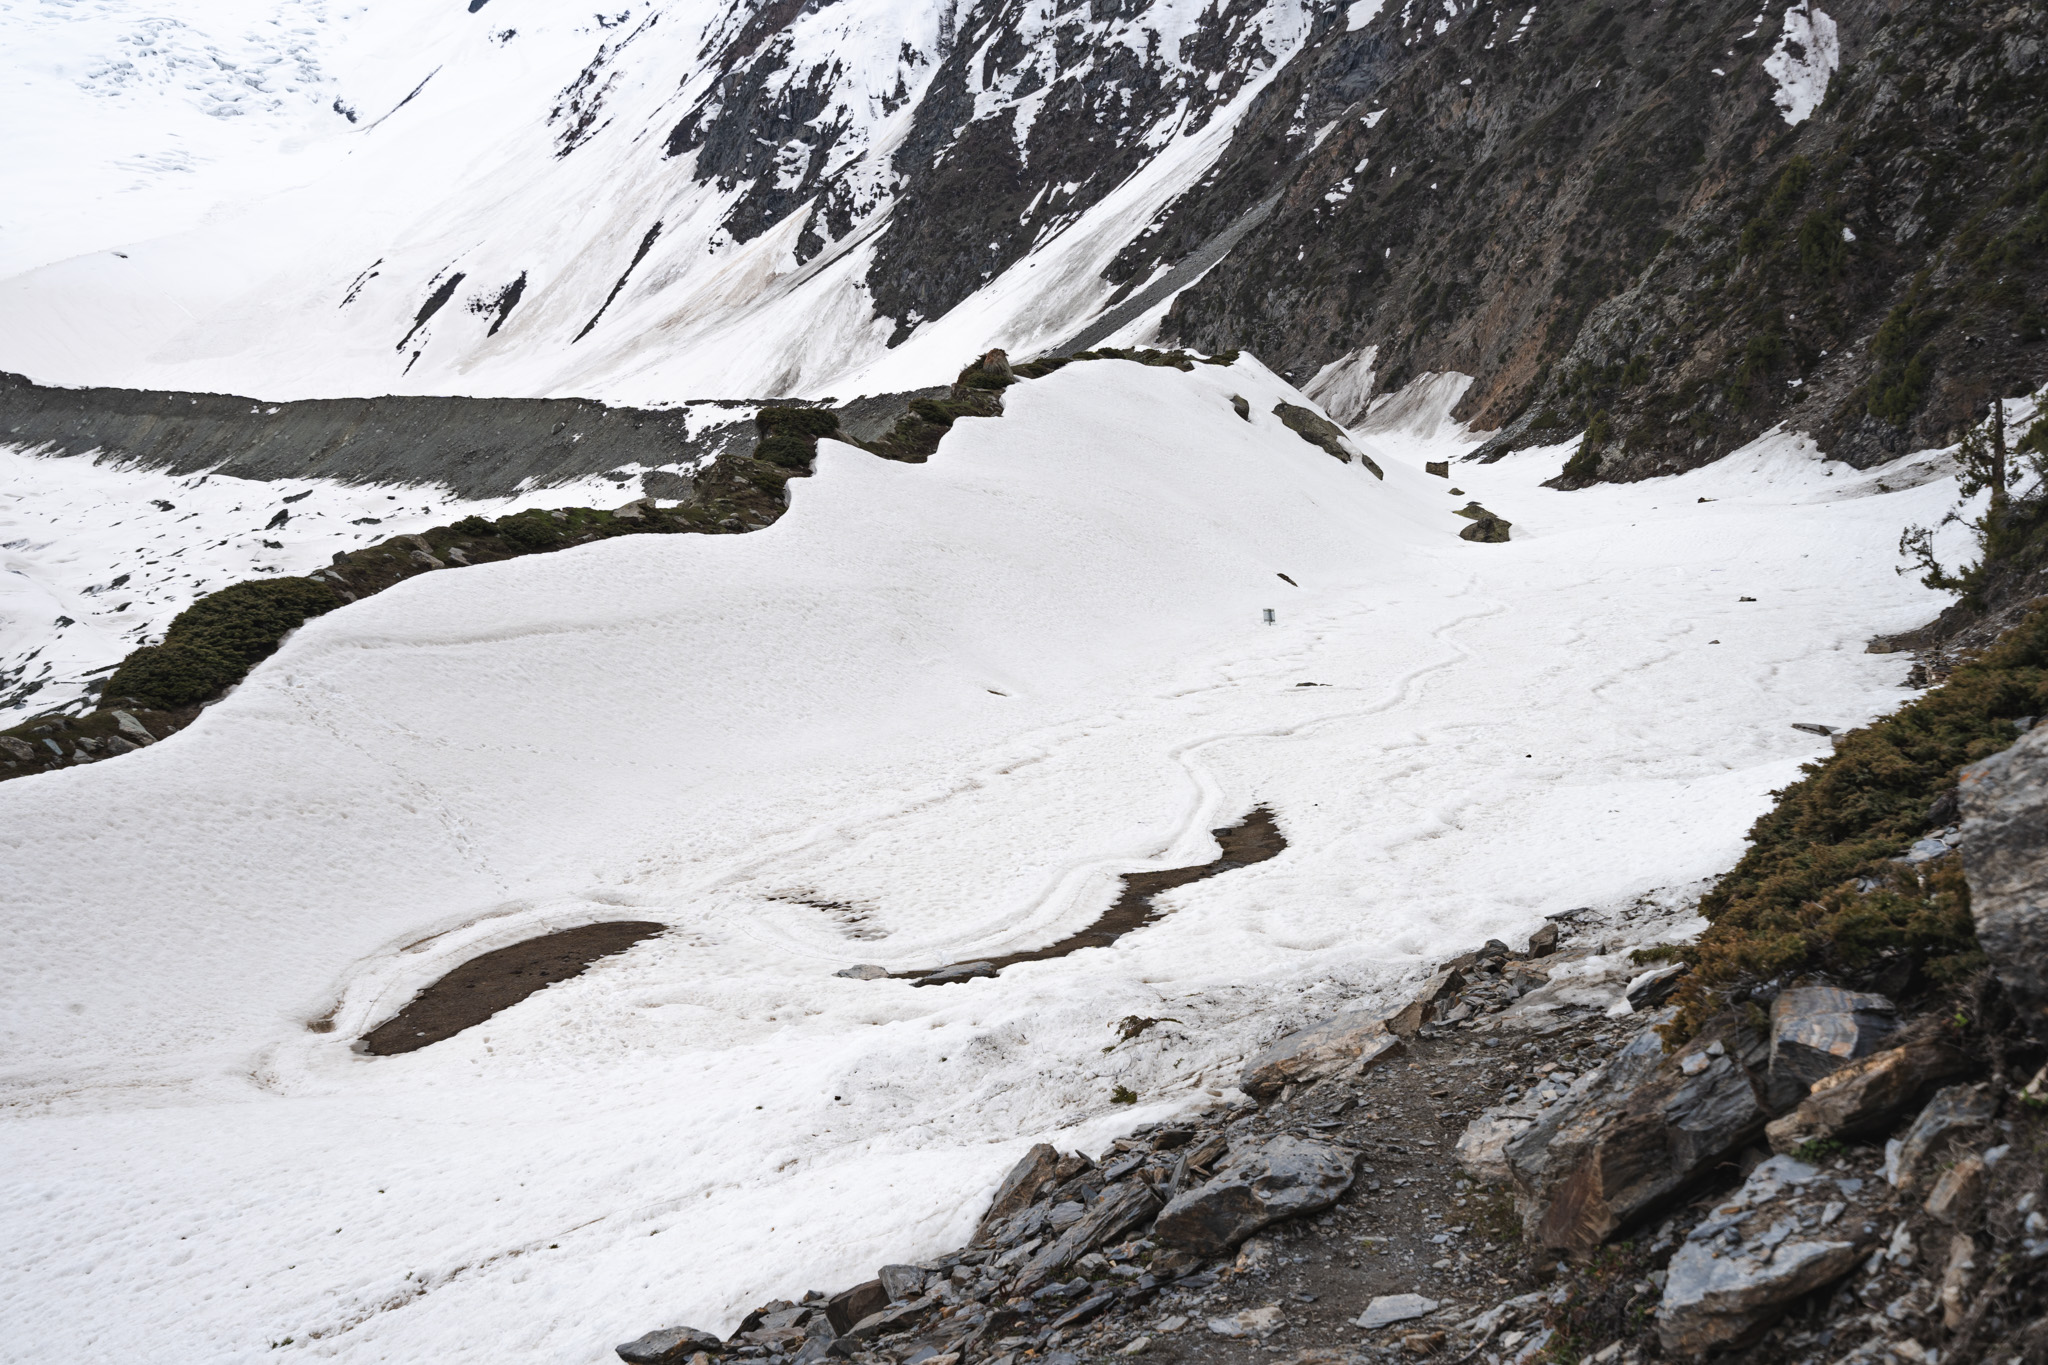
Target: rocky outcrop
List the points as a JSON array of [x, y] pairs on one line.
[[1325, 435], [1613, 1158], [2004, 803], [1865, 1096], [1817, 1030]]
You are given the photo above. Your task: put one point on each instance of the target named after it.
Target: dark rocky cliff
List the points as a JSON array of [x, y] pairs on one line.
[[1587, 217]]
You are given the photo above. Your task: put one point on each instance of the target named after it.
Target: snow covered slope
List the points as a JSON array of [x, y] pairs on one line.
[[96, 559], [682, 198], [929, 714]]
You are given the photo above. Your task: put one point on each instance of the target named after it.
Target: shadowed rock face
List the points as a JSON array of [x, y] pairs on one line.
[[2005, 856], [1587, 217]]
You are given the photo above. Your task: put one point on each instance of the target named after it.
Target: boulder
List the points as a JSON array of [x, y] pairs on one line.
[[1631, 1141], [1482, 1149], [1747, 1262], [1953, 1109], [1863, 1096], [959, 971], [2004, 802], [850, 1306], [1655, 986], [1816, 1030], [902, 1282], [1019, 1187], [1278, 1178], [1543, 942], [1353, 1041], [667, 1345], [1116, 1211], [863, 971], [1487, 529], [1422, 1006]]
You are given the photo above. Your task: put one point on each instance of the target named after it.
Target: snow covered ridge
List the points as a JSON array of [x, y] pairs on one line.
[[958, 700]]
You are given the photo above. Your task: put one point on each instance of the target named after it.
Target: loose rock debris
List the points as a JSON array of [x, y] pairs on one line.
[[1510, 1169]]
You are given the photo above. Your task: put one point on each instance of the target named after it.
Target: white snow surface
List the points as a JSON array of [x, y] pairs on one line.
[[118, 550], [298, 261], [1803, 61], [926, 716]]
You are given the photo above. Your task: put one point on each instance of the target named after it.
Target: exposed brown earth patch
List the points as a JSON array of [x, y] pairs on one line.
[[1251, 840], [499, 979]]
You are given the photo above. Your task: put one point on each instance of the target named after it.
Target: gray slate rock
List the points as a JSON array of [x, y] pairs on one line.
[[1032, 1170], [1346, 1041], [1644, 1131], [1816, 1030], [1748, 1261], [901, 1282], [865, 971], [1388, 1309], [1116, 1211], [668, 1345], [1654, 987], [959, 971], [2004, 801], [1279, 1178]]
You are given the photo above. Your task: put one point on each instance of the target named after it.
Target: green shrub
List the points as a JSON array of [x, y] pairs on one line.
[[789, 436], [476, 526], [1823, 253], [788, 451], [1817, 889], [169, 676], [213, 643], [932, 410], [1905, 366], [531, 530], [1637, 370], [798, 422], [1585, 461]]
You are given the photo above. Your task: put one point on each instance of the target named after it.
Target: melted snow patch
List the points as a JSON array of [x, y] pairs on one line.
[[1807, 54]]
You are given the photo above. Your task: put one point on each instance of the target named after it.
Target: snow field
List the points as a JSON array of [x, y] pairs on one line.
[[929, 714]]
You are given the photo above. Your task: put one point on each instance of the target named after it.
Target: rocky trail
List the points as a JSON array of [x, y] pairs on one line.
[[1513, 1168]]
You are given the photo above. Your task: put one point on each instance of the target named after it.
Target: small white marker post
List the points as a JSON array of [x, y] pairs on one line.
[[1269, 616]]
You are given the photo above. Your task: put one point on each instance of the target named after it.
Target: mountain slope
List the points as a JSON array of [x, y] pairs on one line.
[[929, 714], [1695, 218]]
